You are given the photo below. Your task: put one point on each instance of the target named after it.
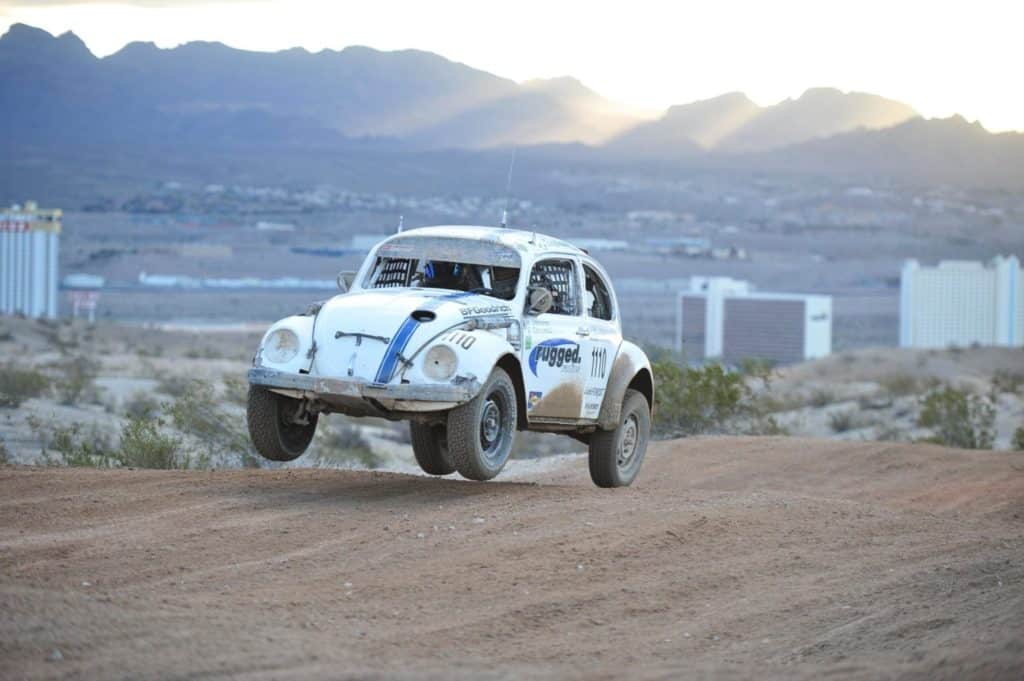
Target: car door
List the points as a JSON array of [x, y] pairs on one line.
[[600, 340], [552, 372]]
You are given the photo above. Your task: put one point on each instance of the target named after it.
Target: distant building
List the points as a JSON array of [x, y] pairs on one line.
[[723, 318], [962, 303], [29, 242]]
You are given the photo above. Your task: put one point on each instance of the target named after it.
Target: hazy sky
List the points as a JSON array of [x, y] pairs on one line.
[[940, 57]]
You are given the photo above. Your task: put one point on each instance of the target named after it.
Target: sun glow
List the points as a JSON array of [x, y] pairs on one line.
[[940, 57]]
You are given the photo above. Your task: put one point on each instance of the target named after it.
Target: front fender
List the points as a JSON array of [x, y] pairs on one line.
[[477, 351], [630, 363], [302, 326]]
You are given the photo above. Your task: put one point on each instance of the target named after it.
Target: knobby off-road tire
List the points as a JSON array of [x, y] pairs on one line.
[[429, 445], [482, 431], [616, 455], [273, 433]]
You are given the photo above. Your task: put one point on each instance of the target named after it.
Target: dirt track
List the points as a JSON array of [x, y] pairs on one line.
[[729, 558]]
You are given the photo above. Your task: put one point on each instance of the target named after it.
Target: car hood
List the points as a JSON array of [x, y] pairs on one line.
[[367, 334]]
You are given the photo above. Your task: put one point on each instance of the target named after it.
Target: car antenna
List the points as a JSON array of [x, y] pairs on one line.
[[508, 189], [401, 222]]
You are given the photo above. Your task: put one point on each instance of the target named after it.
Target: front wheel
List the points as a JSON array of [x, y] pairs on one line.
[[616, 455], [280, 428], [430, 447], [481, 432]]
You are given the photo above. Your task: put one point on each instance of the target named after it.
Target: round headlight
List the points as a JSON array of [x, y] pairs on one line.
[[281, 347], [440, 363]]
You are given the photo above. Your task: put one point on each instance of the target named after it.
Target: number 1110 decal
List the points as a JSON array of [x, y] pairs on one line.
[[598, 362]]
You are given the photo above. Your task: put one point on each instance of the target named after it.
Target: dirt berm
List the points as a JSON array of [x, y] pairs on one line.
[[730, 558]]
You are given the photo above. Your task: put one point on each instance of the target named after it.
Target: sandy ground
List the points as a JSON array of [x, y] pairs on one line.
[[729, 558]]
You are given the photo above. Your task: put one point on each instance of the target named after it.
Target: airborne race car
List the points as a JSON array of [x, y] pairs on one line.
[[469, 333]]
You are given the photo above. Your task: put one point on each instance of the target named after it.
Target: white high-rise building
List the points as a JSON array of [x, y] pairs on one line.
[[723, 318], [962, 303], [29, 242]]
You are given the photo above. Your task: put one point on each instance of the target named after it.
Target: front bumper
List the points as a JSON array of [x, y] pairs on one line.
[[353, 388]]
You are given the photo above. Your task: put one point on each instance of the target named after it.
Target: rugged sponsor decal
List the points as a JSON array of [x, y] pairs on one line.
[[593, 392], [560, 353], [535, 396]]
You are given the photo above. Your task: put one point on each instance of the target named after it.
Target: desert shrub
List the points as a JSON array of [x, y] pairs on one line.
[[706, 400], [236, 389], [820, 397], [1018, 439], [842, 421], [898, 385], [5, 456], [75, 445], [144, 445], [959, 418], [889, 433], [199, 412], [203, 353], [1005, 381], [174, 386], [6, 337], [343, 444], [141, 405], [18, 385], [77, 381]]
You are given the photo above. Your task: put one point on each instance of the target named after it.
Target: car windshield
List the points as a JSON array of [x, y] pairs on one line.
[[446, 263]]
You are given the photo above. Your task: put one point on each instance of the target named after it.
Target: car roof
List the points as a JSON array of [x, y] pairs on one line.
[[529, 242]]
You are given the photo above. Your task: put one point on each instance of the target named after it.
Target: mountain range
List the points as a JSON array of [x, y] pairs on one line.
[[209, 96]]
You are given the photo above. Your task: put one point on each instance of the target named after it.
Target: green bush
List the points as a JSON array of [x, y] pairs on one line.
[[842, 421], [143, 445], [236, 389], [959, 418], [1018, 439], [899, 385], [19, 385], [199, 412], [344, 445], [5, 456], [174, 386], [820, 398], [1005, 381], [141, 405], [75, 445], [709, 399], [77, 381]]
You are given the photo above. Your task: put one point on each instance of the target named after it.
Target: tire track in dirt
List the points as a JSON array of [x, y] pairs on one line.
[[730, 557]]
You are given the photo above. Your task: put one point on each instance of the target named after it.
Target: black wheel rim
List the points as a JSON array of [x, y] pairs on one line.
[[493, 427], [629, 443]]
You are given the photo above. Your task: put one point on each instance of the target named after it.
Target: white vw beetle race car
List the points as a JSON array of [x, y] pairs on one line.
[[470, 334]]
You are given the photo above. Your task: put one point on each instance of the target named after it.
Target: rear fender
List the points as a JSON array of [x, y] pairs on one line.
[[631, 367]]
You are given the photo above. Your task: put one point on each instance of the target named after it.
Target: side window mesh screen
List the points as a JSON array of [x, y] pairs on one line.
[[558, 277], [394, 272]]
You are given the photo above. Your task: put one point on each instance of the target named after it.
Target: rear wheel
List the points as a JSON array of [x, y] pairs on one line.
[[430, 446], [280, 427], [616, 455], [482, 431]]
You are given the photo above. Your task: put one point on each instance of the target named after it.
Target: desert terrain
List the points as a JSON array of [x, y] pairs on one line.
[[729, 558]]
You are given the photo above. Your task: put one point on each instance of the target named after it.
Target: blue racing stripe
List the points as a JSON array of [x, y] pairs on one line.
[[405, 332]]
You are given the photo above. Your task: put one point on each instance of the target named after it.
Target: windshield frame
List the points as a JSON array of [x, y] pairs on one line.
[[440, 248]]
